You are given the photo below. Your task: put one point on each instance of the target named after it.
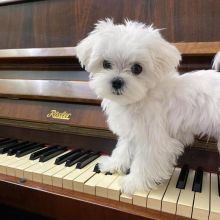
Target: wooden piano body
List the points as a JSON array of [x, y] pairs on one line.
[[33, 82]]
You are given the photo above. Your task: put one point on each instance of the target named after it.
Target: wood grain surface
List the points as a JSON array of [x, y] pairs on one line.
[[185, 48], [51, 29], [56, 23], [195, 55], [56, 90]]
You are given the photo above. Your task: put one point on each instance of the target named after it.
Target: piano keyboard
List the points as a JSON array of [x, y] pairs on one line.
[[190, 193]]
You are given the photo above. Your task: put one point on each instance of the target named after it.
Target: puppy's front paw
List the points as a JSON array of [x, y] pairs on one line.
[[109, 164], [129, 184], [133, 183]]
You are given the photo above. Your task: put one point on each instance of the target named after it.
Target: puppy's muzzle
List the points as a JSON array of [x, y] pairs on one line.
[[117, 83]]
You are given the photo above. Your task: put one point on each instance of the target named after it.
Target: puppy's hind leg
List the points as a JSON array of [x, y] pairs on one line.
[[120, 159]]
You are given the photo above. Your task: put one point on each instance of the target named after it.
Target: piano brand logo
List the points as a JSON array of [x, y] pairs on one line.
[[59, 115]]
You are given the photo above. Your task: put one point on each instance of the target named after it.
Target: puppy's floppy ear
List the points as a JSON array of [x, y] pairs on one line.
[[85, 47], [165, 56], [216, 63]]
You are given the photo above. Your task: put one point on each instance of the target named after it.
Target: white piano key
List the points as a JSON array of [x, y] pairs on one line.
[[114, 189], [46, 166], [186, 198], [3, 156], [140, 198], [57, 178], [78, 183], [126, 198], [171, 195], [154, 199], [11, 168], [201, 201], [47, 176], [38, 174], [215, 199], [28, 173], [6, 161], [35, 172], [19, 172], [102, 186], [90, 185], [67, 181]]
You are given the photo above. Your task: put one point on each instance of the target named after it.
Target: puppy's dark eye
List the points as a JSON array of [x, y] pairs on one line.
[[136, 69], [106, 64]]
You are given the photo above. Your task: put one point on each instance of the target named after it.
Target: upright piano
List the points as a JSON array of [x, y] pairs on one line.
[[53, 131]]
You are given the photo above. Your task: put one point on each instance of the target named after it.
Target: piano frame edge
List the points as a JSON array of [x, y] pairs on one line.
[[73, 204], [63, 58]]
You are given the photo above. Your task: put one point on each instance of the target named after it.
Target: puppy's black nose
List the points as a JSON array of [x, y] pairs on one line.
[[117, 83]]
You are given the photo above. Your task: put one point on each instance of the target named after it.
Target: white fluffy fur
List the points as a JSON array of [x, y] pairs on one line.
[[159, 111]]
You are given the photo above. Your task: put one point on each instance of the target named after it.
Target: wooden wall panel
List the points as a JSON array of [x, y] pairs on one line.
[[56, 23]]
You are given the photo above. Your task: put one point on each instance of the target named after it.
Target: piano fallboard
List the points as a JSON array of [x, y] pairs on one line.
[[53, 113]]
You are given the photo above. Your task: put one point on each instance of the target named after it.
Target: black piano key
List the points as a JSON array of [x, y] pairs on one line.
[[51, 154], [73, 160], [218, 184], [91, 157], [7, 147], [181, 182], [37, 154], [28, 150], [14, 150], [197, 182], [4, 139], [67, 156], [96, 168], [2, 144]]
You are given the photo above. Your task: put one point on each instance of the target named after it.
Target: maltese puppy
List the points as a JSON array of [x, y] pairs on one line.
[[152, 109]]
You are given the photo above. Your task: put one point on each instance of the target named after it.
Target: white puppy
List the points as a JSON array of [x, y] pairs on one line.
[[152, 109]]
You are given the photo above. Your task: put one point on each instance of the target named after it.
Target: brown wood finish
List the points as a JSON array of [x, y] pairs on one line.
[[55, 23], [198, 48], [189, 49], [51, 29], [38, 52], [82, 115], [62, 58], [195, 55], [64, 91], [44, 63]]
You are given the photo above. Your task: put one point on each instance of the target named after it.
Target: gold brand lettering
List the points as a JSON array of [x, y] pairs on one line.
[[59, 115]]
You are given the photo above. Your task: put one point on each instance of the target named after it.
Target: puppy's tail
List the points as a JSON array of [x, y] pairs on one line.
[[216, 63]]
